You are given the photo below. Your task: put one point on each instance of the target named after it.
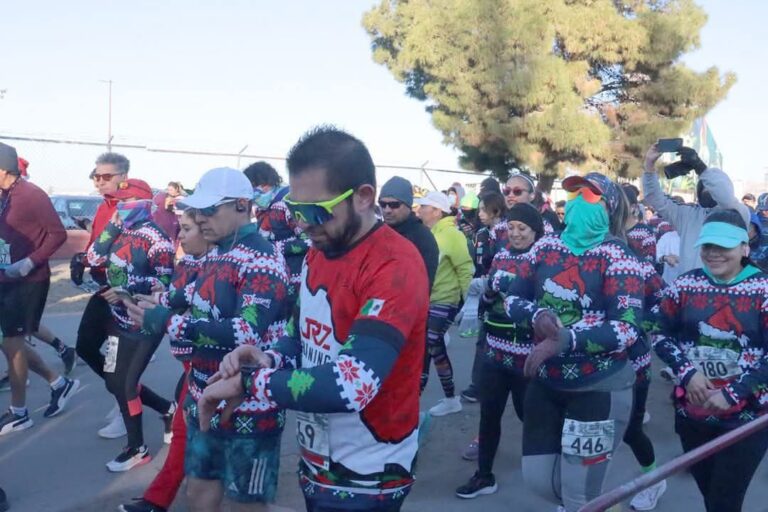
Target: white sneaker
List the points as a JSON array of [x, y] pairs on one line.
[[115, 429], [646, 417], [446, 406], [113, 413], [647, 499]]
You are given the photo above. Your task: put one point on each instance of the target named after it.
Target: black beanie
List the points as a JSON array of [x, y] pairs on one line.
[[528, 215], [489, 185], [9, 160]]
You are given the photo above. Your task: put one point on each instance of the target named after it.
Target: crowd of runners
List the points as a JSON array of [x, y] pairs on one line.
[[333, 296]]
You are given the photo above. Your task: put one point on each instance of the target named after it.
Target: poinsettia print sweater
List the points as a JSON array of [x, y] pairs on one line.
[[598, 296], [720, 331]]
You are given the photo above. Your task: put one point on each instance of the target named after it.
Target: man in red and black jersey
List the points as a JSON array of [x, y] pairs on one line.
[[353, 358]]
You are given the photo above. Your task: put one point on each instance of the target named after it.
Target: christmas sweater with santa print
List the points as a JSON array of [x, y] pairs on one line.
[[598, 296], [277, 225], [641, 238], [135, 259], [237, 298], [720, 331], [179, 295], [352, 363]]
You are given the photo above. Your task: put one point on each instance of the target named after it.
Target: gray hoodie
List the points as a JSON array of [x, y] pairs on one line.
[[688, 219]]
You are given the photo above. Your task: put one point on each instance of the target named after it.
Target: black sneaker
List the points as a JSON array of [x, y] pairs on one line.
[[10, 422], [168, 423], [129, 458], [3, 501], [477, 486], [141, 505], [69, 357], [470, 394], [60, 397]]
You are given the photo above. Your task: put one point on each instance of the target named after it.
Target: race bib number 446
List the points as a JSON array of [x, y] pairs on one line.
[[588, 439]]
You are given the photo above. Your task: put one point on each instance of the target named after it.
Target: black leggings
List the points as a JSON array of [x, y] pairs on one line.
[[133, 355], [724, 477], [495, 385], [635, 437], [93, 330]]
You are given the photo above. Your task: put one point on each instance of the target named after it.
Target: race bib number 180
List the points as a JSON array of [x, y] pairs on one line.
[[715, 363], [587, 438]]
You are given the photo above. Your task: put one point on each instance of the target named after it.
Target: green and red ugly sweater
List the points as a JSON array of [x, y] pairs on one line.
[[238, 297], [179, 295], [598, 296], [640, 352], [641, 238], [278, 226], [352, 366], [720, 330], [487, 242], [507, 344], [135, 259]]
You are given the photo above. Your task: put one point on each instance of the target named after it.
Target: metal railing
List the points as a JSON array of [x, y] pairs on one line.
[[676, 465]]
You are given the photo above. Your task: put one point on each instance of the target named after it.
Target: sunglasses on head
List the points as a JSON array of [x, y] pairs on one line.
[[587, 193], [516, 191], [210, 211], [392, 205], [315, 213]]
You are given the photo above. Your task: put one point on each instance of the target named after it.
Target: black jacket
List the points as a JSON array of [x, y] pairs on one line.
[[420, 236]]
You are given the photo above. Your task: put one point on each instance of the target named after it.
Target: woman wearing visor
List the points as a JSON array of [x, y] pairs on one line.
[[714, 334]]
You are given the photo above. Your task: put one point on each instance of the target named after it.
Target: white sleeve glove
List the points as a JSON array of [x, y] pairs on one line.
[[21, 268]]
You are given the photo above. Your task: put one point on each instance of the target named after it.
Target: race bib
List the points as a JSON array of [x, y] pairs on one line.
[[587, 438], [715, 363], [110, 358], [5, 254], [314, 441]]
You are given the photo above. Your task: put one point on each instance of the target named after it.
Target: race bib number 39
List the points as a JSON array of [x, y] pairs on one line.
[[715, 363], [587, 438], [314, 441]]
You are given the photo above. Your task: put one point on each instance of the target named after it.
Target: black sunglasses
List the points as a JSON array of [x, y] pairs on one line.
[[392, 205]]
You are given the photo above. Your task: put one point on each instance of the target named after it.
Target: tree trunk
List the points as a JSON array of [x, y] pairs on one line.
[[545, 182]]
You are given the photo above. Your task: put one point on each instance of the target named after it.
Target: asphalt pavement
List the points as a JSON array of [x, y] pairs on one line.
[[59, 464]]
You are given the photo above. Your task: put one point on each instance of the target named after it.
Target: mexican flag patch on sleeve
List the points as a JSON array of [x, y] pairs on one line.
[[372, 308]]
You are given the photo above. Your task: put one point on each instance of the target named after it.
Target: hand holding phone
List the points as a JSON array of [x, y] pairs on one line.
[[123, 294], [669, 145]]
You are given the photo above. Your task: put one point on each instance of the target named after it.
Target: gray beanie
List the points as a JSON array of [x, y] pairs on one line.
[[399, 188], [9, 160]]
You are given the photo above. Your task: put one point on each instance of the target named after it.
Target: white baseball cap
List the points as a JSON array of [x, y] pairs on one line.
[[219, 184], [436, 199]]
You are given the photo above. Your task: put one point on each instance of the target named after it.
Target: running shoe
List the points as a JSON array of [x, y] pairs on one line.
[[446, 406], [129, 458], [472, 451], [648, 498], [113, 413], [141, 505], [469, 333], [115, 428], [5, 383], [470, 394], [60, 397], [10, 422], [477, 486], [69, 358], [168, 424]]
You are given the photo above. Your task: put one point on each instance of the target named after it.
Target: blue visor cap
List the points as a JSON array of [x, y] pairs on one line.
[[722, 234]]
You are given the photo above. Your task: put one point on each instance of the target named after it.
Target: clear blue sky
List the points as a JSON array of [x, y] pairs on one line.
[[219, 75]]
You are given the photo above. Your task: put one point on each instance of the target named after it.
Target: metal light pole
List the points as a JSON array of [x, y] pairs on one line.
[[109, 127]]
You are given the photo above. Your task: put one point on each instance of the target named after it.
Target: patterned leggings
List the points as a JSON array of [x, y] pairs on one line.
[[440, 318]]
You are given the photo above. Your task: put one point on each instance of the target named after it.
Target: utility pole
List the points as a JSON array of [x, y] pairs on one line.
[[109, 121]]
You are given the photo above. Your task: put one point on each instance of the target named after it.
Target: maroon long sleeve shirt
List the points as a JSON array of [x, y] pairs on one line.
[[30, 224]]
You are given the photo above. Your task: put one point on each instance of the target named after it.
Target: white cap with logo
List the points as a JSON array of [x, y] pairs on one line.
[[219, 184], [437, 200]]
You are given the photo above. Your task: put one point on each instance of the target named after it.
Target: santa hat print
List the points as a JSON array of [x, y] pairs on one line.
[[723, 325], [568, 286]]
